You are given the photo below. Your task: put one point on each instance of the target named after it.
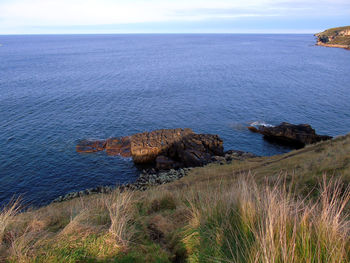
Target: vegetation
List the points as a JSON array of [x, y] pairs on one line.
[[336, 36], [335, 30], [286, 208]]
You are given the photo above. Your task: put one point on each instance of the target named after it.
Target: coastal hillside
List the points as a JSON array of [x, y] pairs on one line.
[[335, 37], [285, 208]]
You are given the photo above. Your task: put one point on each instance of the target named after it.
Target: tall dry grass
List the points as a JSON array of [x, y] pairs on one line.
[[73, 232], [213, 221], [7, 214], [250, 223], [121, 212], [23, 245]]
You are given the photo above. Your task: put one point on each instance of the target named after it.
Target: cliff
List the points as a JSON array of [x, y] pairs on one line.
[[335, 37]]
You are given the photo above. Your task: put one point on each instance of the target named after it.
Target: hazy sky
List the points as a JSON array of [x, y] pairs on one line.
[[171, 16]]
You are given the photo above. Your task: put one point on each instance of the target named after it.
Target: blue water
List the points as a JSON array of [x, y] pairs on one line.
[[55, 90]]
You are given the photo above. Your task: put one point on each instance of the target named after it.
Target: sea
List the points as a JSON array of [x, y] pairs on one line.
[[58, 89]]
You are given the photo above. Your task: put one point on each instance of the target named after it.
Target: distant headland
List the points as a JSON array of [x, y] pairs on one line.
[[335, 37]]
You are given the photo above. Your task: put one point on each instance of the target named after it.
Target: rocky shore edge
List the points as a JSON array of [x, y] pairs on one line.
[[153, 177], [174, 152], [334, 37], [319, 43]]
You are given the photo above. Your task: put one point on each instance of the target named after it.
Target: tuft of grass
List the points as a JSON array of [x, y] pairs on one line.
[[22, 246], [163, 202], [121, 211], [7, 215], [144, 254], [250, 223]]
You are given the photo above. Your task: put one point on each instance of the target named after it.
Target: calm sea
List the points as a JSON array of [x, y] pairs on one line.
[[55, 90]]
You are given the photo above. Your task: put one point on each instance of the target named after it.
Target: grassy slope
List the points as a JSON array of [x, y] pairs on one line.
[[335, 30], [201, 218], [338, 40], [304, 166]]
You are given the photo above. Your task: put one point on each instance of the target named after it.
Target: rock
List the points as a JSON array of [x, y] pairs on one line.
[[253, 129], [291, 134], [89, 146], [335, 37], [197, 149], [113, 146], [164, 163], [218, 159], [146, 146], [119, 146], [238, 155], [145, 180], [167, 148]]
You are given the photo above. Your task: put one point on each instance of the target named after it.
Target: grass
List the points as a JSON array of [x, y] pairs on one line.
[[338, 38], [251, 223], [335, 30], [6, 216], [120, 208], [286, 208]]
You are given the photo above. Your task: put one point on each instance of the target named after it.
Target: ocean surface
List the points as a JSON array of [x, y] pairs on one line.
[[56, 90]]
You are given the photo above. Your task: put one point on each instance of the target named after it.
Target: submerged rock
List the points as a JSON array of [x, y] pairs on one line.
[[89, 146], [291, 134], [119, 146]]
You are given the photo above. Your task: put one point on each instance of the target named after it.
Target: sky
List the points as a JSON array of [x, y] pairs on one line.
[[171, 16]]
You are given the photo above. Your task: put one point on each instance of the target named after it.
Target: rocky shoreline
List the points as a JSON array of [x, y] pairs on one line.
[[164, 149], [335, 37], [174, 152], [153, 177], [319, 43]]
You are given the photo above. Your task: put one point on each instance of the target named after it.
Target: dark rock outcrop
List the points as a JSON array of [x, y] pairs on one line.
[[167, 148], [165, 163], [291, 134], [146, 146], [195, 149]]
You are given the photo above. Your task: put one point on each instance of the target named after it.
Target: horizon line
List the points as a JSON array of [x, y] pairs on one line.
[[164, 33]]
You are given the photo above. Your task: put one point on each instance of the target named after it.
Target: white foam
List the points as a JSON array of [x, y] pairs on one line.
[[261, 123]]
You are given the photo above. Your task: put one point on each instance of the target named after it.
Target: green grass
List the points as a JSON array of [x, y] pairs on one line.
[[283, 208], [335, 30], [250, 223]]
